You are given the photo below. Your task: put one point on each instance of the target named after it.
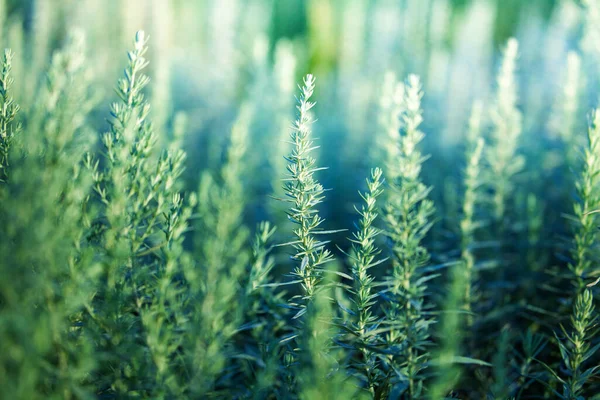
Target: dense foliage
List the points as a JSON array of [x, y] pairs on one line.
[[424, 231]]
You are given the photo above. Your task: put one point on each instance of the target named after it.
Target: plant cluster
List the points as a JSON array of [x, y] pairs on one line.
[[166, 260]]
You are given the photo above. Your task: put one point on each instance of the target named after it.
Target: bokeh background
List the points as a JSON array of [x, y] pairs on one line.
[[208, 57]]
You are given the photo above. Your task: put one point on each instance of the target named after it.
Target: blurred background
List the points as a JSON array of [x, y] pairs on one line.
[[208, 57], [290, 18]]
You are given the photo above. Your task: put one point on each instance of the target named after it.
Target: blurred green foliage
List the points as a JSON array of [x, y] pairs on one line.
[[291, 18], [127, 264]]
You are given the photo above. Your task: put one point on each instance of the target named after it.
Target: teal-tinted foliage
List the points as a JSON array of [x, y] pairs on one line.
[[424, 224]]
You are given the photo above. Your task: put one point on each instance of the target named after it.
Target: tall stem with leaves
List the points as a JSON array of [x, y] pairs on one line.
[[139, 196], [502, 154], [577, 350], [264, 313], [576, 347], [586, 210], [362, 258], [112, 308], [221, 241], [408, 216], [468, 224], [305, 193], [8, 112]]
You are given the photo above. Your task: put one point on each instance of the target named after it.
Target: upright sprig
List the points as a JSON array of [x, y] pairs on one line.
[[60, 117], [472, 198], [362, 258], [408, 216], [502, 154], [576, 345], [128, 143], [576, 348], [586, 217], [139, 232], [8, 112], [463, 276], [221, 243], [222, 202], [263, 311], [364, 252], [166, 308], [305, 193], [263, 263]]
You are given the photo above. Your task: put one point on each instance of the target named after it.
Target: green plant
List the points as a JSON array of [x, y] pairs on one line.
[[140, 208], [463, 277], [407, 215], [129, 265], [9, 112], [265, 319], [319, 376], [585, 217], [502, 154], [223, 257], [46, 351], [576, 350], [362, 257], [304, 193], [472, 199]]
